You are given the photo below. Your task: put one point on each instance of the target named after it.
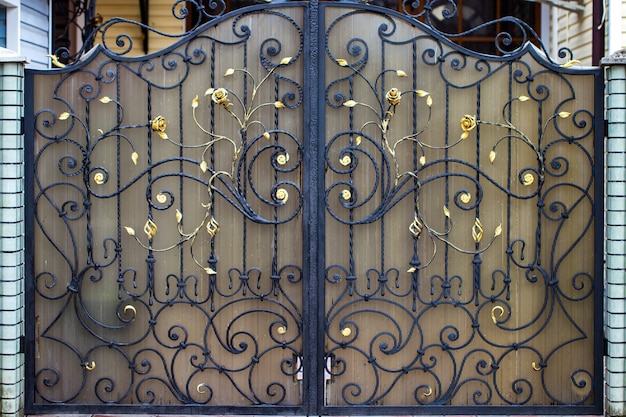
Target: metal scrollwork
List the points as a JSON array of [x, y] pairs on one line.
[[437, 311], [193, 208], [166, 256]]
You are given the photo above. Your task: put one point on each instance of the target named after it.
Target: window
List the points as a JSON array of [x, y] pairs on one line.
[[3, 26], [473, 13]]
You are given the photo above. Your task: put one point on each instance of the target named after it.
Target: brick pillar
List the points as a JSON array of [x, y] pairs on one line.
[[615, 235], [11, 234]]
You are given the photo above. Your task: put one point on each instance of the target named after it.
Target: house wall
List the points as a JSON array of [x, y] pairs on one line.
[[34, 35], [616, 23], [574, 31], [11, 234], [160, 16]]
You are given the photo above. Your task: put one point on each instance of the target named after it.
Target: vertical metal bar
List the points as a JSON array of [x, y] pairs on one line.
[[313, 224], [29, 232]]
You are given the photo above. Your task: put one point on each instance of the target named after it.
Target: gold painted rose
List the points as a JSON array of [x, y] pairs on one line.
[[468, 123], [393, 96], [159, 124], [220, 96]]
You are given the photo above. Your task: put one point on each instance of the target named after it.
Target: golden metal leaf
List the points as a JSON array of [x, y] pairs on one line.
[[342, 62], [281, 330], [266, 135], [346, 195], [346, 331], [64, 116], [422, 160], [282, 194], [493, 313], [210, 271], [195, 102], [279, 105], [570, 64], [105, 100], [415, 228], [357, 140], [564, 114], [212, 227], [130, 230], [132, 308], [90, 366], [282, 159], [209, 91], [411, 270], [163, 135], [55, 61], [161, 198], [492, 156], [465, 198], [446, 212], [350, 103], [179, 216], [523, 98], [498, 230], [400, 73], [429, 101], [150, 228], [134, 157], [345, 160], [422, 93], [285, 60], [98, 178], [477, 230], [229, 71], [528, 179], [203, 166]]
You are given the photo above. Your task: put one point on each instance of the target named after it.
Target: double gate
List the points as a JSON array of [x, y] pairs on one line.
[[325, 208]]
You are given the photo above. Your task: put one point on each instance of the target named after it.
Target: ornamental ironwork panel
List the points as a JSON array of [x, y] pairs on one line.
[[315, 208], [459, 200], [168, 211]]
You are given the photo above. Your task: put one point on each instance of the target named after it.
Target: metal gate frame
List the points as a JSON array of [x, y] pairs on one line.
[[314, 261]]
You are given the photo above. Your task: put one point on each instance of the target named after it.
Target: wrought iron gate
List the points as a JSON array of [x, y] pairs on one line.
[[326, 208]]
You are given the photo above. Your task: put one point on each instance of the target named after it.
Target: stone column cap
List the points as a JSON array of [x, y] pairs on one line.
[[618, 57], [8, 55]]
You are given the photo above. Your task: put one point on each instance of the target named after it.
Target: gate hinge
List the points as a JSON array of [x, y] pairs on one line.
[[605, 347], [22, 345], [22, 124], [606, 128]]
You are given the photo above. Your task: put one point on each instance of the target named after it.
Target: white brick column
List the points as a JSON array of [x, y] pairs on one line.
[[11, 234], [615, 235]]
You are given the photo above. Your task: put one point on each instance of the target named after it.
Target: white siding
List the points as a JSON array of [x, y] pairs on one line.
[[35, 32], [575, 31]]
